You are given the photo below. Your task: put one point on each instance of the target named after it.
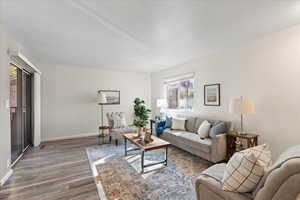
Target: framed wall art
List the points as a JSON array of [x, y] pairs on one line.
[[212, 95], [112, 96]]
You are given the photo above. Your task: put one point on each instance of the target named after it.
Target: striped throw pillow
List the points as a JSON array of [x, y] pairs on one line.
[[245, 169]]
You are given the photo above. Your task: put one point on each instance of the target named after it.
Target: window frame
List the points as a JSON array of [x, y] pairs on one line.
[[177, 81]]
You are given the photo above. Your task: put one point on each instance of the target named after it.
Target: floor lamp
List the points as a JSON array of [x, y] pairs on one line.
[[102, 100]]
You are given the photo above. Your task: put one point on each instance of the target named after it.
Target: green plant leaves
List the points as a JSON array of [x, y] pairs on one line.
[[141, 113]]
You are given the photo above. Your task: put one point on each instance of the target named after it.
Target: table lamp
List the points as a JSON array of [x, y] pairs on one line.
[[242, 107], [162, 104]]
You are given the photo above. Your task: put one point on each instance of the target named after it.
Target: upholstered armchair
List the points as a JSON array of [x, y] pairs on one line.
[[118, 126], [281, 182]]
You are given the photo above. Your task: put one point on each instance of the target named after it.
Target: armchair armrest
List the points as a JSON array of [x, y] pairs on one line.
[[209, 188], [219, 148]]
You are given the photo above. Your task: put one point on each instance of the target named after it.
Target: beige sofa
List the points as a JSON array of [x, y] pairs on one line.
[[281, 182], [212, 149]]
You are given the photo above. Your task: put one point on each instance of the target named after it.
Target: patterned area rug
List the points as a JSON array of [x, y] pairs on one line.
[[119, 177]]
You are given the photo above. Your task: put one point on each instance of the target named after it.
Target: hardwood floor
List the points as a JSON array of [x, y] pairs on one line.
[[59, 170]]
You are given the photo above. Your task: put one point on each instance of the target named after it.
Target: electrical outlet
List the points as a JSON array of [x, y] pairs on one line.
[[8, 163]]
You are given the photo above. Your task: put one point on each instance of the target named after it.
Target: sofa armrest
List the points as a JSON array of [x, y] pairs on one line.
[[219, 148]]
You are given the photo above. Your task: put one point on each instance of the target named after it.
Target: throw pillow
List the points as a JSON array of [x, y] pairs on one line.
[[217, 129], [123, 122], [168, 122], [245, 169], [119, 120], [203, 130], [263, 153], [178, 124], [110, 120]]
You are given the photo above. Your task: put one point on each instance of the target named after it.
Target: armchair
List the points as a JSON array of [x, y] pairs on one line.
[[117, 126], [282, 181]]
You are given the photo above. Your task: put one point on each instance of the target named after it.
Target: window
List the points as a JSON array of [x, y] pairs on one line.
[[180, 94]]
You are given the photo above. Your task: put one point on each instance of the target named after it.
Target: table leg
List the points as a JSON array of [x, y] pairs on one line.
[[166, 157], [142, 161], [125, 144], [151, 126]]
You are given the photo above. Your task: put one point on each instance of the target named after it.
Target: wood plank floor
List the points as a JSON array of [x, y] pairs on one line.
[[59, 170]]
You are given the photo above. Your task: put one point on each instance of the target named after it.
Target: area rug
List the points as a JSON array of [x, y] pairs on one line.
[[119, 177]]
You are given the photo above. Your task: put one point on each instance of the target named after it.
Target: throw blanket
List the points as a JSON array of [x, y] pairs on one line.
[[291, 153], [216, 171]]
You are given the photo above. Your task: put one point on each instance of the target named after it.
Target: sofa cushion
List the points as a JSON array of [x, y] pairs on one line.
[[178, 124], [198, 122], [217, 129], [227, 124], [203, 130], [191, 139], [168, 122], [190, 124]]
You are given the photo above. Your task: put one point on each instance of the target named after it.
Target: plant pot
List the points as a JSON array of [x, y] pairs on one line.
[[139, 132]]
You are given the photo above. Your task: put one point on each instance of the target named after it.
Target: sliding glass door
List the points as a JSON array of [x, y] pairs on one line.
[[20, 111]]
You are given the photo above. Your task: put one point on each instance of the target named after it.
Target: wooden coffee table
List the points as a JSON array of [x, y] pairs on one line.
[[157, 143]]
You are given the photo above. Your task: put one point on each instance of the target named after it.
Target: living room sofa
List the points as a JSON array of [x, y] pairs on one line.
[[280, 182], [212, 149]]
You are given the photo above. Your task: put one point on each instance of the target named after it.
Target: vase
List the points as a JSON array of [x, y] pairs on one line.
[[139, 132]]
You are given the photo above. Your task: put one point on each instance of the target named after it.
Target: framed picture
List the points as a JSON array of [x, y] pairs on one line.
[[212, 95], [112, 96]]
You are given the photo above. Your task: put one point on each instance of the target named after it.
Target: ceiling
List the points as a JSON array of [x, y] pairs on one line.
[[140, 35]]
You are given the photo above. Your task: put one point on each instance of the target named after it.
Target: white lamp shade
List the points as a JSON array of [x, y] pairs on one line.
[[101, 98], [161, 103], [241, 106]]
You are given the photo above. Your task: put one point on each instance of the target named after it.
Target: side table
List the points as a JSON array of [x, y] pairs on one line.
[[102, 135], [238, 142]]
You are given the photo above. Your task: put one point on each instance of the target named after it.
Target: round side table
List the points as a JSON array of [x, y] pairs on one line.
[[102, 135]]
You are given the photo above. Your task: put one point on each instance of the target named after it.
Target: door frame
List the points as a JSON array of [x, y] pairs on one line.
[[35, 100]]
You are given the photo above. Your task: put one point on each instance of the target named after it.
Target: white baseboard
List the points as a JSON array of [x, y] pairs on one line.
[[6, 177], [70, 137]]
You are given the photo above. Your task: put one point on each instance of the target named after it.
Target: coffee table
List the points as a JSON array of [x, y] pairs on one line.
[[157, 143]]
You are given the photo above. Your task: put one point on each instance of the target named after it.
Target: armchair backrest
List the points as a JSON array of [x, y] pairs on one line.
[[283, 179], [116, 120]]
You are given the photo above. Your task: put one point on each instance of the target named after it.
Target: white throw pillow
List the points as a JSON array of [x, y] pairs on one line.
[[119, 120], [178, 124], [203, 130], [245, 169], [123, 122]]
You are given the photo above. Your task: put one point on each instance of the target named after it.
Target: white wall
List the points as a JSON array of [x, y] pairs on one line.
[[69, 107], [266, 70], [6, 42]]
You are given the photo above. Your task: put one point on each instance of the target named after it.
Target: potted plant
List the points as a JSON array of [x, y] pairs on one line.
[[141, 115]]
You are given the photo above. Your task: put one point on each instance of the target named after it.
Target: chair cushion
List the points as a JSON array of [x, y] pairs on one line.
[[116, 120], [124, 130]]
